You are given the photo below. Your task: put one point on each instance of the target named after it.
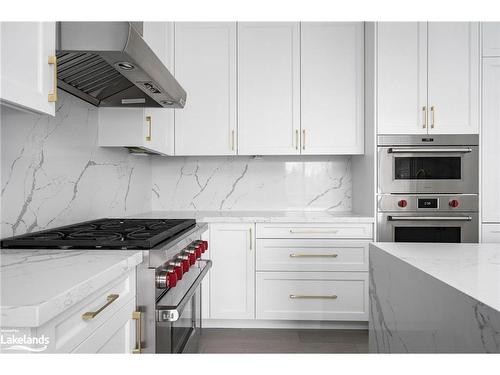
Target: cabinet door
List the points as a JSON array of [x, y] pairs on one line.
[[401, 77], [268, 88], [26, 77], [232, 250], [332, 83], [491, 140], [205, 65], [160, 37], [491, 39], [453, 77], [117, 335]]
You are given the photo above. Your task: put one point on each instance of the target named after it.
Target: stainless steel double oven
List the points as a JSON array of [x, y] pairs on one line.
[[428, 188]]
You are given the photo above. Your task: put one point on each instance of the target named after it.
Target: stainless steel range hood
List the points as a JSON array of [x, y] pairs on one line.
[[108, 64]]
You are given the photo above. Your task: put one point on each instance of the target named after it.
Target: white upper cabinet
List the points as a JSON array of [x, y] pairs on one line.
[[491, 39], [453, 77], [402, 77], [28, 71], [205, 65], [491, 141], [428, 78], [148, 129], [332, 87], [268, 88]]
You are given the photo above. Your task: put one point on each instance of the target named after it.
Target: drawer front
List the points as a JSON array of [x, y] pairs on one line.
[[311, 255], [312, 296], [347, 230], [491, 233], [70, 329]]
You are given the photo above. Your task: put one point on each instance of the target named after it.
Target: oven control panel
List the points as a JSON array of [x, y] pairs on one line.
[[172, 271], [419, 202]]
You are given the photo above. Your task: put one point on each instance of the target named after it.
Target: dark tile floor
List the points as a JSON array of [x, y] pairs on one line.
[[225, 340]]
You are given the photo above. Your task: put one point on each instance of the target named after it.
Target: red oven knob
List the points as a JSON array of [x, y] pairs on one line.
[[166, 278], [402, 203], [179, 269], [186, 263], [203, 244], [197, 250], [191, 253], [454, 203]]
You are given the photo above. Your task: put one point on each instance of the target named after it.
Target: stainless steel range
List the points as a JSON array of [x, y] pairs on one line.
[[168, 318], [428, 188]]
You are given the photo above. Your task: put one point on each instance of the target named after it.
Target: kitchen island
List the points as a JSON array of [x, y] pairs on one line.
[[434, 298]]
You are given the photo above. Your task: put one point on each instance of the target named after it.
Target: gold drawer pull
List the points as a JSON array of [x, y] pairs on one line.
[[137, 316], [302, 296], [53, 96], [149, 120], [89, 315], [305, 231], [313, 255]]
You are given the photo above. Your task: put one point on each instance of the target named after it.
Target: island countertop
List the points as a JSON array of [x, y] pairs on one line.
[[473, 269], [37, 285]]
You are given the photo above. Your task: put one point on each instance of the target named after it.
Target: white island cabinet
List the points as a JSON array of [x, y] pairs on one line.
[[28, 76], [147, 129], [69, 301], [428, 77]]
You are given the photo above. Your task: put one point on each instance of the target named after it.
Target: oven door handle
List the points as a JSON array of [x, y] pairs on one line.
[[444, 150], [172, 313], [429, 218]]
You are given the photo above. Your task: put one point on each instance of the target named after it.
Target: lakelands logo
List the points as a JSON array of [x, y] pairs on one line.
[[11, 340]]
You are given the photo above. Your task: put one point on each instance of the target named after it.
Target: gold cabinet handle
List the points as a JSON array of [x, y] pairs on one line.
[[149, 121], [232, 140], [433, 113], [333, 255], [303, 139], [251, 238], [296, 139], [137, 316], [424, 110], [89, 315], [302, 296], [53, 95]]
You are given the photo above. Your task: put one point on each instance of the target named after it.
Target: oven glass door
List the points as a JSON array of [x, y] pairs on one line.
[[425, 170], [420, 227]]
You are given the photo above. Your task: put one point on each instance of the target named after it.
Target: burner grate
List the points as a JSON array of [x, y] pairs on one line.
[[104, 233]]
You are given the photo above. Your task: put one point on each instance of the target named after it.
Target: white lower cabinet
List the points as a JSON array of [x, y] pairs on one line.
[[232, 251], [491, 233], [288, 272], [111, 330], [312, 295]]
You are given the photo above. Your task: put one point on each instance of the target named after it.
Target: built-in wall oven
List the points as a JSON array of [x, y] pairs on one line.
[[429, 164], [428, 188]]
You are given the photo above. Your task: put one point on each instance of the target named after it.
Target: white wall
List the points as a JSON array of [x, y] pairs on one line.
[[53, 173], [244, 183]]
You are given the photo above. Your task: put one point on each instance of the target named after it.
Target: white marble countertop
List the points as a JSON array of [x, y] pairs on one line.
[[261, 216], [473, 269], [37, 285]]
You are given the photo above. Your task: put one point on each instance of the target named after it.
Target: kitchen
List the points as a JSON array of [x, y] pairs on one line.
[[142, 157]]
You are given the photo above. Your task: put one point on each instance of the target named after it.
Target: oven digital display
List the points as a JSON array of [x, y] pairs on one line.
[[427, 203]]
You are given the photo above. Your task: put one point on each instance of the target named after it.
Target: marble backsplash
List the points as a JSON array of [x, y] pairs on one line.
[[316, 183], [53, 173]]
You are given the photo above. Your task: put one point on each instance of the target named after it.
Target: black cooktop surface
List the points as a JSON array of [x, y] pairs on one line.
[[104, 234]]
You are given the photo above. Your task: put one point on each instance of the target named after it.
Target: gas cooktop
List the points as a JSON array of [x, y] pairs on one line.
[[103, 234]]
